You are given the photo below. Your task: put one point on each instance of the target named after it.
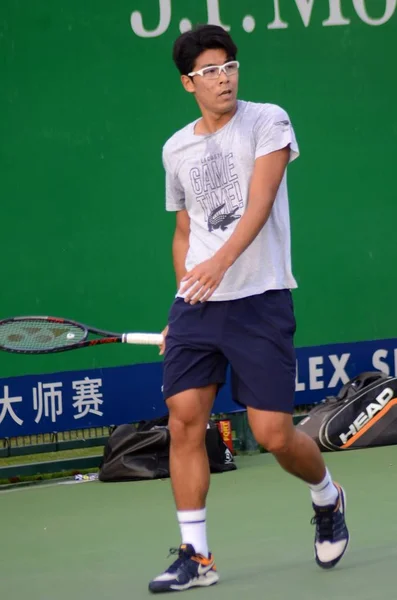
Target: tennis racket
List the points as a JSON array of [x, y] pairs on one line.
[[45, 335]]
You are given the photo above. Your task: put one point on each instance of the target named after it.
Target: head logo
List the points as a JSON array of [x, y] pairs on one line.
[[366, 416]]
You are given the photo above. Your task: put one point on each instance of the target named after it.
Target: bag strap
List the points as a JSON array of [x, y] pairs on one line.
[[153, 423], [359, 382]]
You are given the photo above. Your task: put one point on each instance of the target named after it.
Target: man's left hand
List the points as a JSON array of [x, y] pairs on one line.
[[202, 281]]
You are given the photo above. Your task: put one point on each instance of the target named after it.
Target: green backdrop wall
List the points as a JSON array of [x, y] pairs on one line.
[[88, 96]]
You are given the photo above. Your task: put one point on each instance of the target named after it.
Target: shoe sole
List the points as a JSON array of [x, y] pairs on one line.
[[333, 563], [202, 581]]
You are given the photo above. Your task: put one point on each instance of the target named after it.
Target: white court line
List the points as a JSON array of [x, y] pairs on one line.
[[40, 486]]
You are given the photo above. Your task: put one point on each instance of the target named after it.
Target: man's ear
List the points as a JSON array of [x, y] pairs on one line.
[[188, 84]]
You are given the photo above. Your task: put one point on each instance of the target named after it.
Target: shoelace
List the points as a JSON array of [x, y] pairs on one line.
[[324, 522], [182, 557], [182, 562]]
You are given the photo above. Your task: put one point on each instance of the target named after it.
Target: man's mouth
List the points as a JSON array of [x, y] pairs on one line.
[[226, 93]]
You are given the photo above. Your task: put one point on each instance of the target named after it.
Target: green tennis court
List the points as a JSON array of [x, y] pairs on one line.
[[97, 541]]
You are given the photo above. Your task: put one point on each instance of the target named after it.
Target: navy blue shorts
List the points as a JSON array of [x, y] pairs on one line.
[[253, 335]]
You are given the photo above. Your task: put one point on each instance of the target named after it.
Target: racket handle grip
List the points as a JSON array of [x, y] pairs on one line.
[[150, 339]]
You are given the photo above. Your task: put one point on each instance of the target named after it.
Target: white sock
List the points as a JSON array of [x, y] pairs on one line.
[[194, 529], [324, 493]]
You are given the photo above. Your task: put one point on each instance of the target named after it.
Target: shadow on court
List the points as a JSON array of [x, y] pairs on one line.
[[96, 541]]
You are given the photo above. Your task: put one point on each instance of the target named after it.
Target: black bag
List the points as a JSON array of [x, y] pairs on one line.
[[362, 415], [137, 453]]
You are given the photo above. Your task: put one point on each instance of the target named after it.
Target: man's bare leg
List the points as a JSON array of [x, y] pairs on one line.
[[189, 413], [300, 456], [296, 452], [189, 467]]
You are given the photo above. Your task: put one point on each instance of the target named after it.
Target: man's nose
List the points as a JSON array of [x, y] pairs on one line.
[[223, 78]]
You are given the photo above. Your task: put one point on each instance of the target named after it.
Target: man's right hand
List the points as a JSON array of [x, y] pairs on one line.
[[164, 334]]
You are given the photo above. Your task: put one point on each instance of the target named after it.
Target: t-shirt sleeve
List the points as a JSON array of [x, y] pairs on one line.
[[174, 193], [274, 131]]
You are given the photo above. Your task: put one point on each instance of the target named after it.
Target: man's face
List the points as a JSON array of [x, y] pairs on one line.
[[215, 93]]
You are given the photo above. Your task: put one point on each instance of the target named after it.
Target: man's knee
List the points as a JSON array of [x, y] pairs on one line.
[[188, 418], [277, 442], [274, 431], [186, 433]]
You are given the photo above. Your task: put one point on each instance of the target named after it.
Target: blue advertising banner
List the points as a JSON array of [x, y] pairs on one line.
[[111, 396]]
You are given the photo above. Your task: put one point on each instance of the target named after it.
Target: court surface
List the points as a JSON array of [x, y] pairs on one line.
[[100, 541]]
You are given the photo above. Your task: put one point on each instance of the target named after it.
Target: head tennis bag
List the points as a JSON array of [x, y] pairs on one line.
[[362, 415]]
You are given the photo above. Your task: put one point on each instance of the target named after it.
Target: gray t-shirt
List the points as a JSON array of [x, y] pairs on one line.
[[209, 176]]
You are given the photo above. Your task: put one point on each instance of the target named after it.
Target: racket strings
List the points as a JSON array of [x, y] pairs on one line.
[[39, 335]]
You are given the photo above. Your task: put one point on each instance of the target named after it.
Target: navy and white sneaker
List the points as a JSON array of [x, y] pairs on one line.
[[332, 536], [189, 570]]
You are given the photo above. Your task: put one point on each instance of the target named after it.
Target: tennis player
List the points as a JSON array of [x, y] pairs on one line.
[[226, 181]]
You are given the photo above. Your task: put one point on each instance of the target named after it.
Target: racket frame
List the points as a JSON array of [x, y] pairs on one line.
[[108, 337]]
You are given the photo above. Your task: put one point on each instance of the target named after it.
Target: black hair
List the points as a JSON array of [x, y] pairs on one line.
[[191, 44]]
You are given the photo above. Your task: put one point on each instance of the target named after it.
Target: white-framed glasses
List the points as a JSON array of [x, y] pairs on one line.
[[214, 71]]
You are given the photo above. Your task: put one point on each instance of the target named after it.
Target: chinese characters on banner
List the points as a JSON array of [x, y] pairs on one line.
[[47, 401]]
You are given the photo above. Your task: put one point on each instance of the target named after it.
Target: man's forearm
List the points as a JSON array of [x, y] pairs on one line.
[[250, 224], [265, 182], [180, 246]]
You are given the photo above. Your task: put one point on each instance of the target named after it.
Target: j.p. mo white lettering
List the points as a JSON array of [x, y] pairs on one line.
[[331, 12]]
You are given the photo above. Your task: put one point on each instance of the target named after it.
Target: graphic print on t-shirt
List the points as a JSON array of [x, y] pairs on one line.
[[217, 189]]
